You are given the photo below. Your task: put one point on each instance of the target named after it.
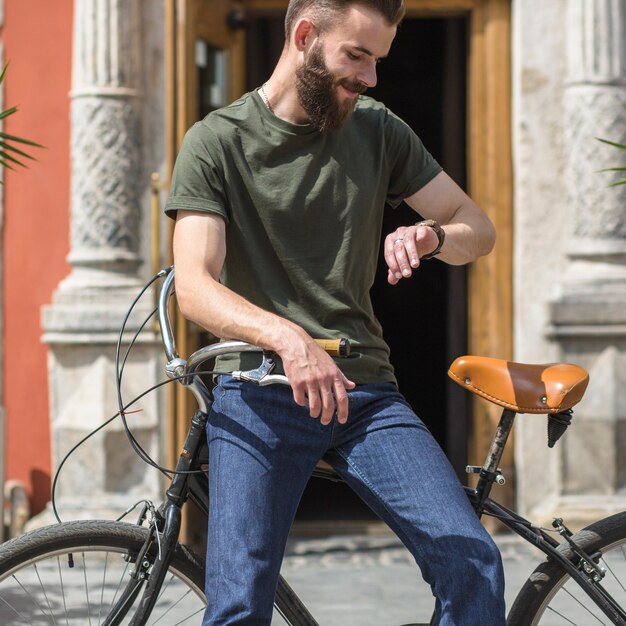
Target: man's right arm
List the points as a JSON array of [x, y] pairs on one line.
[[199, 253]]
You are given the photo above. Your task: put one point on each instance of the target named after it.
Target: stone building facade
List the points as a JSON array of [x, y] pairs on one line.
[[569, 89], [117, 121], [569, 258]]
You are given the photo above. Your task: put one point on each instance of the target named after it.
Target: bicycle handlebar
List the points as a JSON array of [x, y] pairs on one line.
[[167, 336], [185, 370], [335, 347]]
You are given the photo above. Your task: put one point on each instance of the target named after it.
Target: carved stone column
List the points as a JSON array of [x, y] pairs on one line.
[[89, 306], [588, 319], [106, 136]]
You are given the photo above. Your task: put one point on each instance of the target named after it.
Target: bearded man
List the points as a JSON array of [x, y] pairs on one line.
[[278, 200]]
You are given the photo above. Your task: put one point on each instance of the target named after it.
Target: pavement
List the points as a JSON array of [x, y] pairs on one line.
[[344, 580], [365, 580]]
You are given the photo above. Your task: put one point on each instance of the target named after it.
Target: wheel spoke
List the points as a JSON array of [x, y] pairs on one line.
[[45, 595], [188, 617], [610, 569], [120, 582], [23, 618], [551, 597], [103, 586], [580, 604], [31, 596], [38, 588], [62, 591], [569, 621], [86, 588], [174, 605]]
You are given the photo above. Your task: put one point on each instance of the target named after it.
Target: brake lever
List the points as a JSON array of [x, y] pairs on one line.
[[262, 375]]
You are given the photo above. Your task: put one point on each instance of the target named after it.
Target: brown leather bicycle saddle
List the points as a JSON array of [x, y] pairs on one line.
[[523, 388]]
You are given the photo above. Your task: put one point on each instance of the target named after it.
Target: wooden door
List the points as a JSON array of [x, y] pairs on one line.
[[205, 71], [489, 170]]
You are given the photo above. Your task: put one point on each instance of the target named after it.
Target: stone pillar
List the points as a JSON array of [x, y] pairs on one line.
[[88, 307], [588, 319]]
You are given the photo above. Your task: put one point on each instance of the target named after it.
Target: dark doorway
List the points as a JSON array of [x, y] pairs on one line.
[[425, 319]]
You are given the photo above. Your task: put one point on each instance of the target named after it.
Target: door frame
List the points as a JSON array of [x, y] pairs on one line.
[[490, 181]]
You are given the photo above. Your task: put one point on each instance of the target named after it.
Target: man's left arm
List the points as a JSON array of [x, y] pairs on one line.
[[468, 232]]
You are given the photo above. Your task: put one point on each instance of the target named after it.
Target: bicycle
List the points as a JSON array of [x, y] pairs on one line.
[[116, 572]]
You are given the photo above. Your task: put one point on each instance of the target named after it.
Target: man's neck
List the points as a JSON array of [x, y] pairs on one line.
[[281, 95]]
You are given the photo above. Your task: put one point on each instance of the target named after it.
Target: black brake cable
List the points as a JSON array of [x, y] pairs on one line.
[[123, 409], [84, 439], [167, 471], [119, 370], [138, 449]]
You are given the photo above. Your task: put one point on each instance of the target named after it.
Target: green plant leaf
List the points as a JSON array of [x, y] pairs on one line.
[[614, 169], [20, 139], [9, 149], [6, 159], [6, 146], [619, 146], [8, 112], [6, 156]]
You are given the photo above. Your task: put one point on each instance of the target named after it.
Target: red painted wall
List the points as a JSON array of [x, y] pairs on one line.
[[37, 39]]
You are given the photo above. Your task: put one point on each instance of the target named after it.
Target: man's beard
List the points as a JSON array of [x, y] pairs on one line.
[[317, 93]]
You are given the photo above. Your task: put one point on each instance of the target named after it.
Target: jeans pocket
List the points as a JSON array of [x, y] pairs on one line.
[[218, 391]]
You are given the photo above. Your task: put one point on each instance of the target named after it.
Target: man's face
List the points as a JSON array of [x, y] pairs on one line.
[[340, 65], [317, 90]]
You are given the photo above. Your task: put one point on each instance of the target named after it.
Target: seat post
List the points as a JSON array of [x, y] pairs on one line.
[[489, 473]]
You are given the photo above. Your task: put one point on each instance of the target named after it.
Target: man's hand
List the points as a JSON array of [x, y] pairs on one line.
[[315, 379], [199, 252], [403, 249]]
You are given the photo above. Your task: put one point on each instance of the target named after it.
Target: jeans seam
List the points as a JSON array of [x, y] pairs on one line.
[[398, 530], [218, 529]]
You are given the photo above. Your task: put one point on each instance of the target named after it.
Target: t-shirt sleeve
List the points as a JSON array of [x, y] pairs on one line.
[[198, 179], [411, 166]]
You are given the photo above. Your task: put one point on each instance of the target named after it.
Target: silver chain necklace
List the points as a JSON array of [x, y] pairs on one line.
[[265, 99]]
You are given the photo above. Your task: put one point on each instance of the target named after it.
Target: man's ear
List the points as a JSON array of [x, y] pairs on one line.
[[303, 33]]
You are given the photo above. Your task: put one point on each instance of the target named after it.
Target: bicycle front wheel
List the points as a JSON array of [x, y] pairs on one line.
[[551, 598], [40, 583]]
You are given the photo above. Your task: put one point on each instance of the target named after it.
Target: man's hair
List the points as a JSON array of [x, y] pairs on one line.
[[325, 10]]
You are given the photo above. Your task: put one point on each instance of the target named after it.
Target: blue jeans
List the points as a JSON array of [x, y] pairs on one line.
[[262, 450]]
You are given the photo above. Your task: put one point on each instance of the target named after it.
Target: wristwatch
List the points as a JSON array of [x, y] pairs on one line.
[[441, 236]]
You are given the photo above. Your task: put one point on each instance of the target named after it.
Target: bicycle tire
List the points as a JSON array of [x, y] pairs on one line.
[[39, 586], [551, 597]]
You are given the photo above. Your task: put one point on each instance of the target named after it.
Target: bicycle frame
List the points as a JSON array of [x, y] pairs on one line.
[[548, 545], [482, 504], [190, 481]]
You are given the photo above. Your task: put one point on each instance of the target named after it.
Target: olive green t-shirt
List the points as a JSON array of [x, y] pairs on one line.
[[303, 213]]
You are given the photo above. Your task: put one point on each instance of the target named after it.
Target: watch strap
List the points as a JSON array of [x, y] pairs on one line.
[[441, 236]]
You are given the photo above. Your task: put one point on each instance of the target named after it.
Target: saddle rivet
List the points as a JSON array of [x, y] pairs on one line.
[[468, 381], [544, 399]]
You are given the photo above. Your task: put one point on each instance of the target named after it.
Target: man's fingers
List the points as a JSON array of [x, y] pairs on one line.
[[341, 399], [299, 394], [322, 404], [324, 401], [391, 278], [328, 406], [412, 254], [397, 257], [321, 385], [401, 254], [315, 405], [391, 242]]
